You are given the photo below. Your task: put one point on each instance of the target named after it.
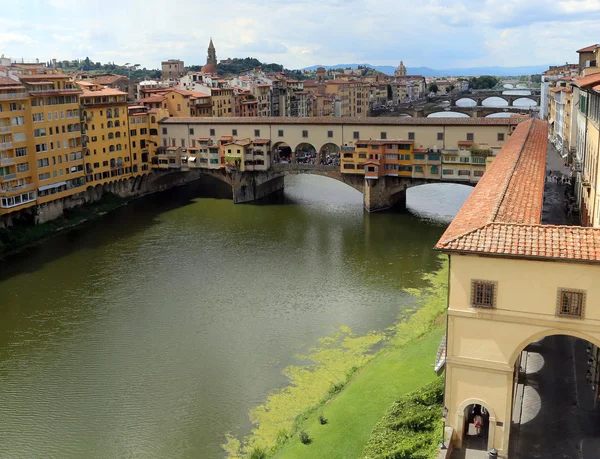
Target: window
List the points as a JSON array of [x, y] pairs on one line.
[[133, 132], [478, 173], [440, 136], [356, 135], [464, 159], [257, 133], [433, 157], [483, 294], [470, 136], [435, 170], [234, 132], [411, 136], [570, 303], [348, 166], [40, 147], [19, 152], [191, 131], [448, 171], [19, 137], [383, 135], [23, 167], [109, 124], [280, 133], [419, 169], [500, 137], [164, 131], [41, 132], [464, 172], [44, 176], [212, 132], [330, 134], [43, 162], [18, 120]]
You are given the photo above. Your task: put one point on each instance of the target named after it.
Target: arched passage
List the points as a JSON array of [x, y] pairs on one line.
[[467, 411], [281, 152], [555, 394], [305, 153], [329, 154]]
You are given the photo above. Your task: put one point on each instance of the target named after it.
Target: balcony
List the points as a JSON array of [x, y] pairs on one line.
[[5, 128], [6, 178], [7, 161], [13, 95], [14, 189], [54, 91], [6, 145]]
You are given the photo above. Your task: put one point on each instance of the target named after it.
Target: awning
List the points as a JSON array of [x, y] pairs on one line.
[[183, 158], [550, 121], [49, 187], [192, 159]]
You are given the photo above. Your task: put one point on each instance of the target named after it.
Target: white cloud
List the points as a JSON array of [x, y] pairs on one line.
[[297, 33]]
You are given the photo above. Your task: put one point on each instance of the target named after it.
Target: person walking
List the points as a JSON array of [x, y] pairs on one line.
[[478, 422]]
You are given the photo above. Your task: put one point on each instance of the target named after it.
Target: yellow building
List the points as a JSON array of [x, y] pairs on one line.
[[513, 280], [106, 134], [222, 102], [41, 160]]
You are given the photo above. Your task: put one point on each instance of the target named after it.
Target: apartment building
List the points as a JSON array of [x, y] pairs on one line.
[[172, 68], [41, 162], [353, 97], [106, 134]]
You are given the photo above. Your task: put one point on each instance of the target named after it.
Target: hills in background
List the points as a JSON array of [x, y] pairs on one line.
[[429, 72]]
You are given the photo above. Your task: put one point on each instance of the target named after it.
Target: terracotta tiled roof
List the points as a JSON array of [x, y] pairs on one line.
[[261, 141], [44, 76], [108, 79], [560, 89], [385, 142], [589, 80], [587, 49], [503, 214], [569, 243], [6, 81], [101, 92], [156, 98]]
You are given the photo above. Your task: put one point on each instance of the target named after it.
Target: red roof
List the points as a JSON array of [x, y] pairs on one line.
[[588, 49], [6, 81], [587, 81], [560, 89], [503, 214]]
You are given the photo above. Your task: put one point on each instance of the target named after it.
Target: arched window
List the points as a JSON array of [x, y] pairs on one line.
[[118, 147], [117, 123], [118, 135], [109, 124], [153, 120], [111, 135], [108, 113], [116, 112], [111, 148]]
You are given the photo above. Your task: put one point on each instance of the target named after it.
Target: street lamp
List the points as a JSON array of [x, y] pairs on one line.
[[444, 414]]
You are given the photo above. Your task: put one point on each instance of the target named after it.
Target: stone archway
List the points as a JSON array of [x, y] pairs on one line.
[[305, 152], [329, 152], [281, 151], [461, 421]]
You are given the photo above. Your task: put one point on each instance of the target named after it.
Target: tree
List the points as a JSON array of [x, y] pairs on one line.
[[484, 82], [451, 88], [536, 78], [433, 88]]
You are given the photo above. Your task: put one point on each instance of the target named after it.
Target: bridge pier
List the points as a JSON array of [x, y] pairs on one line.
[[385, 193], [252, 186]]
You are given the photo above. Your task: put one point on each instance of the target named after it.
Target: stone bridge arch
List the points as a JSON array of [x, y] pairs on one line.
[[304, 148], [330, 149]]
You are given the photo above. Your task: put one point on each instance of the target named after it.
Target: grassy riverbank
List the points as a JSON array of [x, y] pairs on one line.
[[350, 386], [22, 235]]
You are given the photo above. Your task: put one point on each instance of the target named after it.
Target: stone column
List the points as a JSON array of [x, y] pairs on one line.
[[384, 193], [251, 186]]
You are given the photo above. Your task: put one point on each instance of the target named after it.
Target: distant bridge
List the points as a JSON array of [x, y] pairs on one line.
[[481, 97]]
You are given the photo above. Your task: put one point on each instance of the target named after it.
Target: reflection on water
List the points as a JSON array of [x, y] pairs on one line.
[[153, 331]]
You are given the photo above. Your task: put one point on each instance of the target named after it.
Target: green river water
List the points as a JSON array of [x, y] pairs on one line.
[[154, 330]]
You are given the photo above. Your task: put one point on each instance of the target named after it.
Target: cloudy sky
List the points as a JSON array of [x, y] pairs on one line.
[[299, 33]]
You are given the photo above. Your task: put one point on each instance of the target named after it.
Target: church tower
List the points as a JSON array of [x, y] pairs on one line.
[[401, 70], [211, 59]]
